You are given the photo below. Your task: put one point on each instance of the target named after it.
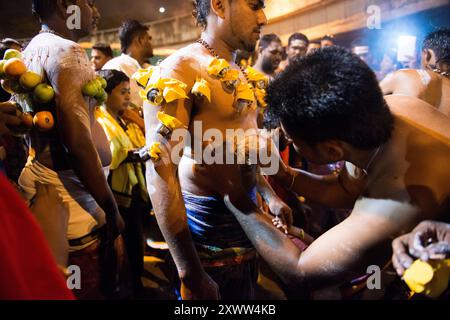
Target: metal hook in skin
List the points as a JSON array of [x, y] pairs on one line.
[[155, 96], [164, 131]]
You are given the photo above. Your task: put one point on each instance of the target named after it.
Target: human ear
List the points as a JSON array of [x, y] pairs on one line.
[[428, 55], [217, 6]]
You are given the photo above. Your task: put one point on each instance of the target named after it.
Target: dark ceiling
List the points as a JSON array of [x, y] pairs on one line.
[[16, 20]]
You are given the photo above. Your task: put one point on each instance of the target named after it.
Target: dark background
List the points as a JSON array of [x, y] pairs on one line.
[[16, 20]]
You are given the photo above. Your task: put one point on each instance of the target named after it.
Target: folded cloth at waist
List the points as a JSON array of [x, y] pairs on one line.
[[216, 257], [84, 213], [215, 231], [87, 239]]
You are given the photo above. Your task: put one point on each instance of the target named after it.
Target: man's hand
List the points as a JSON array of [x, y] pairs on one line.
[[53, 216], [283, 214], [428, 240], [114, 227], [110, 239], [133, 116], [8, 117], [201, 289]]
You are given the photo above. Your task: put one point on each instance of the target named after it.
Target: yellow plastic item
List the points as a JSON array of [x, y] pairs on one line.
[[155, 151], [201, 88], [174, 90], [143, 75], [260, 80], [221, 69], [218, 67], [428, 278], [163, 89], [231, 75], [168, 89], [260, 94], [245, 92], [171, 122]]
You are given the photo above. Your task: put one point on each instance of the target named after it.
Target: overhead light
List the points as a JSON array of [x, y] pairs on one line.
[[406, 47], [162, 9]]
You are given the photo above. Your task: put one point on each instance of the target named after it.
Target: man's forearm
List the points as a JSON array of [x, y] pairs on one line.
[[264, 188], [325, 190], [276, 249]]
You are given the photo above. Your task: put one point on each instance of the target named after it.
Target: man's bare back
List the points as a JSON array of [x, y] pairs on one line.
[[50, 55], [407, 183], [423, 84], [413, 166], [409, 179]]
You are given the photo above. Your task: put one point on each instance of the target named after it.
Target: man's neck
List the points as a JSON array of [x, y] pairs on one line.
[[223, 50], [60, 28], [136, 56], [364, 159]]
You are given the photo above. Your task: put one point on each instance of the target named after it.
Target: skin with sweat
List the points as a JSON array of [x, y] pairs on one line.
[[407, 183], [225, 35]]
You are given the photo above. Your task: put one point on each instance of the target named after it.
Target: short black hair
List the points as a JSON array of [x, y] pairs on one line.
[[113, 78], [328, 37], [331, 94], [201, 11], [43, 9], [267, 39], [5, 45], [104, 48], [10, 41], [128, 31], [298, 36], [439, 42]]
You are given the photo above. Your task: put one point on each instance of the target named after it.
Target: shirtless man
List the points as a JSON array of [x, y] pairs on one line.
[[403, 154], [73, 155], [218, 250], [432, 82]]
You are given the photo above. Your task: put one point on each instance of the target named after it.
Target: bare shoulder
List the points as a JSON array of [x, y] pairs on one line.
[[74, 56], [419, 113], [403, 74], [185, 62], [59, 58], [66, 52]]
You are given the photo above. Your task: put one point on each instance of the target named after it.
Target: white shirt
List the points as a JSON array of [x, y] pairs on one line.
[[129, 66]]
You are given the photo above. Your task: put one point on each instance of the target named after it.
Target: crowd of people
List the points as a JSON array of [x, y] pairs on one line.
[[361, 149]]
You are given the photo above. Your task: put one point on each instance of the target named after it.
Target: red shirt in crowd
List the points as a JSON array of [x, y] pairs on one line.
[[27, 267]]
